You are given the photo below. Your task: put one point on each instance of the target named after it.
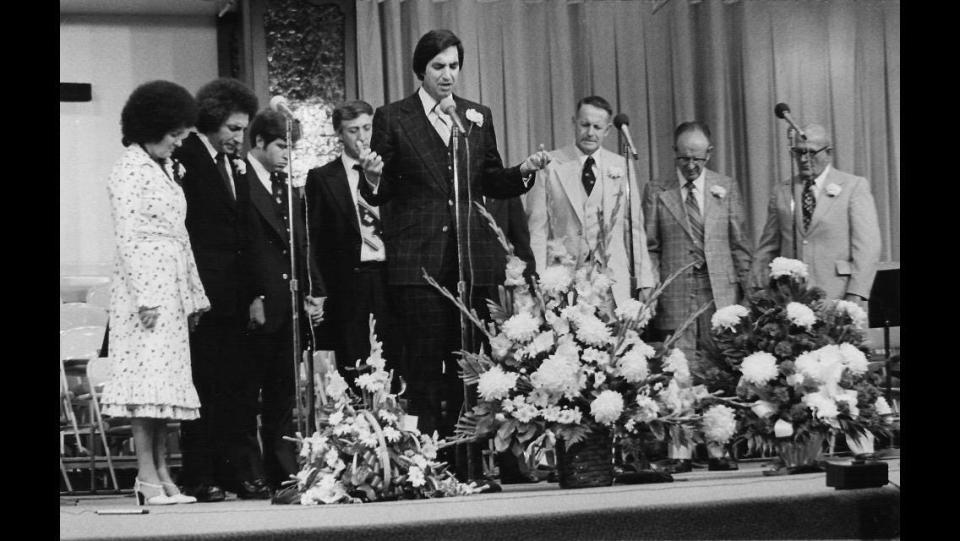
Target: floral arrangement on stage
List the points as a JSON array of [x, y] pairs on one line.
[[366, 448], [562, 362], [796, 363]]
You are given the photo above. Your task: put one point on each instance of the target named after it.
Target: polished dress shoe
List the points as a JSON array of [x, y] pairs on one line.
[[253, 490], [487, 486], [205, 493], [722, 464]]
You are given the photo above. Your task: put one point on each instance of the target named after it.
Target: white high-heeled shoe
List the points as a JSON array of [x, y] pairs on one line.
[[142, 498], [176, 496]]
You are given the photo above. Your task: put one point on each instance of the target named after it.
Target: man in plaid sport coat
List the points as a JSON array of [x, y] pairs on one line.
[[409, 172], [720, 244]]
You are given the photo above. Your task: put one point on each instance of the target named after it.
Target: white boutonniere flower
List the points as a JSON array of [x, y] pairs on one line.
[[239, 166], [614, 172], [178, 170], [833, 189], [718, 191], [474, 116]]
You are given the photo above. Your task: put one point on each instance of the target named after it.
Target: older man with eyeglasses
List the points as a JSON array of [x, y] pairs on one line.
[[695, 215], [827, 219]]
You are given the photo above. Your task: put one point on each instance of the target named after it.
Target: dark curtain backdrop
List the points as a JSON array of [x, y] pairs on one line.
[[836, 62]]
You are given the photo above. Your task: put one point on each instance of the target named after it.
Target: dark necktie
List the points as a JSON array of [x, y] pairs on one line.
[[696, 223], [809, 203], [587, 177], [371, 229], [222, 167]]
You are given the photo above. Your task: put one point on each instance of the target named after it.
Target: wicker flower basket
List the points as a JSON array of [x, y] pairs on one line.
[[588, 463], [801, 455]]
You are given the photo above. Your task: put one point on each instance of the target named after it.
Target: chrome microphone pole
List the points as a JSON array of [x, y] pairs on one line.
[[628, 233], [792, 143], [462, 288], [304, 403]]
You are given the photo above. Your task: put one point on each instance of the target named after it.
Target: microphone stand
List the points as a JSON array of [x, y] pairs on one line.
[[305, 412], [792, 138], [628, 233], [465, 296]]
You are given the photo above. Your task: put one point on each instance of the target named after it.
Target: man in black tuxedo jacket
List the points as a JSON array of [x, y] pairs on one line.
[[217, 193], [410, 168], [267, 368], [348, 246]]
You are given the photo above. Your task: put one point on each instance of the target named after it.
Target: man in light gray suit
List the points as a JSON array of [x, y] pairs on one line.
[[825, 218], [583, 183], [696, 215]]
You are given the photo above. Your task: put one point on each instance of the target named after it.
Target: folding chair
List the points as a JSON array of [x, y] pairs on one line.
[[78, 346], [99, 370]]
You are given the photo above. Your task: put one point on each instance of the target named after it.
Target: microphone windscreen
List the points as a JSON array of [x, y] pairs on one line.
[[780, 109], [277, 101], [447, 105], [620, 120]]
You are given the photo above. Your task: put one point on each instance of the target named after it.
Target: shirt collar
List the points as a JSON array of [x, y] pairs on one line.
[[821, 177], [582, 157], [697, 182], [206, 143], [261, 171], [427, 101], [347, 161]]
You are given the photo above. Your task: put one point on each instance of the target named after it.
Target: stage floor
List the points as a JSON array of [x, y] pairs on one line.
[[697, 505]]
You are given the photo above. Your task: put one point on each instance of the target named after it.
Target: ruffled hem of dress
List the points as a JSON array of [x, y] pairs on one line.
[[154, 411]]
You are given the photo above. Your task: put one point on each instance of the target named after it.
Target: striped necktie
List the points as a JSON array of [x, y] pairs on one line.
[[696, 223], [371, 229], [808, 202]]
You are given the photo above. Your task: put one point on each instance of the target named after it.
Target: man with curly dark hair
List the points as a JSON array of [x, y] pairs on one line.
[[217, 195]]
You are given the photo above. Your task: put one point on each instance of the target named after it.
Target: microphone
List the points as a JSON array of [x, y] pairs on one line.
[[280, 105], [622, 123], [782, 110], [448, 106]]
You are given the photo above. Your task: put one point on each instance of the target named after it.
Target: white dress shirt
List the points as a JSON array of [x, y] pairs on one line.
[[353, 181], [440, 120], [698, 185]]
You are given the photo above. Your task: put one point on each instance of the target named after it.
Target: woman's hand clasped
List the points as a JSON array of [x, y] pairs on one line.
[[148, 316]]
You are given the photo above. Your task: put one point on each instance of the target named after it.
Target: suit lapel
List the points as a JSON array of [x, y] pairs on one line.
[[264, 203], [569, 175], [210, 171], [340, 190], [825, 201], [795, 200], [674, 202], [434, 154]]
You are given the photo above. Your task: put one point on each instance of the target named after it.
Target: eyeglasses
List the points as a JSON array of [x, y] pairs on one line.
[[805, 152], [684, 160]]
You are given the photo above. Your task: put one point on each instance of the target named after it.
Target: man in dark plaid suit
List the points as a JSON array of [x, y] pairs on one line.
[[410, 172]]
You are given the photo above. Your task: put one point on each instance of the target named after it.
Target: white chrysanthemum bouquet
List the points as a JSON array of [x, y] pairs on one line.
[[563, 362], [796, 364], [367, 449]]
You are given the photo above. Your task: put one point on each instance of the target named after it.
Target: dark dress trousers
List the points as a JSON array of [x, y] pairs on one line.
[[215, 222]]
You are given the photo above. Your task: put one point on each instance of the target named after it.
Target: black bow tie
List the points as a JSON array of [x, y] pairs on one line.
[[278, 176]]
